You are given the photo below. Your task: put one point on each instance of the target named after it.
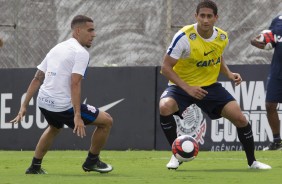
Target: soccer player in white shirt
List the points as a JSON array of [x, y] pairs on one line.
[[58, 79]]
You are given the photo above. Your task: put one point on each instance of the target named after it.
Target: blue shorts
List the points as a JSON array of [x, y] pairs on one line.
[[59, 119], [212, 104], [274, 90]]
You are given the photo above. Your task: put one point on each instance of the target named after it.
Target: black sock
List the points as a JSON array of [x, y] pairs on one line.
[[168, 125], [245, 135], [276, 138], [92, 158], [36, 163]]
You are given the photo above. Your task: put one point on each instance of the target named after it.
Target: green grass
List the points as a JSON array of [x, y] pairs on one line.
[[140, 167]]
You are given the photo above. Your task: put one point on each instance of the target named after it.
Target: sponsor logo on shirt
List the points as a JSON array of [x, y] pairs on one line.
[[47, 101], [207, 63], [51, 74]]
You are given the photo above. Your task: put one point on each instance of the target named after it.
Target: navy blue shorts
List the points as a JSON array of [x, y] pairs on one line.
[[59, 119], [212, 104], [274, 90]]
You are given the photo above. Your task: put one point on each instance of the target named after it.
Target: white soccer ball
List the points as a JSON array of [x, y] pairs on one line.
[[185, 148], [268, 38]]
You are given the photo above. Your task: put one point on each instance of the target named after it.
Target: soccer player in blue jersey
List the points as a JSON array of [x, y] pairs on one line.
[[274, 83], [58, 78], [192, 64]]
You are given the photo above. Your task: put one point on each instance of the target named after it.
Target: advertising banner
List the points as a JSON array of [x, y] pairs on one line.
[[126, 93], [131, 96]]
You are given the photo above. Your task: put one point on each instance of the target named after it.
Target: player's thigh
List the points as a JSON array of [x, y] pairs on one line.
[[53, 130], [233, 113], [274, 90], [271, 106]]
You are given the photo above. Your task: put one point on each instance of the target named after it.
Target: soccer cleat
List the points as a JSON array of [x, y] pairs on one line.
[[31, 170], [259, 165], [173, 163], [99, 166], [273, 146]]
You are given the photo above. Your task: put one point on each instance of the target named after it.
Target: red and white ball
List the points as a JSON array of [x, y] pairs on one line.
[[185, 148], [268, 38]]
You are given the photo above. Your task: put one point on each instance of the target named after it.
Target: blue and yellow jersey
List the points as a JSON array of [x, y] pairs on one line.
[[199, 59]]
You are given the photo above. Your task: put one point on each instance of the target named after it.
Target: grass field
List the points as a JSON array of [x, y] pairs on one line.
[[136, 167]]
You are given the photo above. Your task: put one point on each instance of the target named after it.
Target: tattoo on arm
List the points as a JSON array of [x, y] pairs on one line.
[[40, 76]]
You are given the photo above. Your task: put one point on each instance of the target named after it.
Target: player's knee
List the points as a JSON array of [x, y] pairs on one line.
[[240, 121], [164, 110], [167, 107], [108, 121]]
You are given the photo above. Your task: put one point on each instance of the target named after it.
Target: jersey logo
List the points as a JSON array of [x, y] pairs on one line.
[[222, 36], [192, 36], [210, 62], [207, 53]]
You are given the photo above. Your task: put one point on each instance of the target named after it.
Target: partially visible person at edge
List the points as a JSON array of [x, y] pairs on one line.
[[1, 42], [274, 83], [58, 79], [192, 64]]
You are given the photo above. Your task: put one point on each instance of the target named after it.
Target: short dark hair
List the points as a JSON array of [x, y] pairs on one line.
[[207, 4], [80, 19]]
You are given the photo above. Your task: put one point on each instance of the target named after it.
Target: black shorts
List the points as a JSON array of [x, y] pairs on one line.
[[212, 104], [59, 119], [274, 90]]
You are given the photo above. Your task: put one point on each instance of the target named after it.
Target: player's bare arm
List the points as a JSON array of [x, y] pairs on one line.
[[167, 70], [32, 89], [235, 77], [79, 127]]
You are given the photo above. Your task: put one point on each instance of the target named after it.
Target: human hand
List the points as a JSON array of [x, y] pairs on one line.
[[20, 116], [79, 127], [237, 78], [196, 92]]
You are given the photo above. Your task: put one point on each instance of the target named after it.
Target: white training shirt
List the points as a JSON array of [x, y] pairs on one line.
[[62, 60], [180, 46]]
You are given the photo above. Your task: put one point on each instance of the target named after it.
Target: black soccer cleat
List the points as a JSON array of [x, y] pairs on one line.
[[99, 166], [273, 146], [31, 170]]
